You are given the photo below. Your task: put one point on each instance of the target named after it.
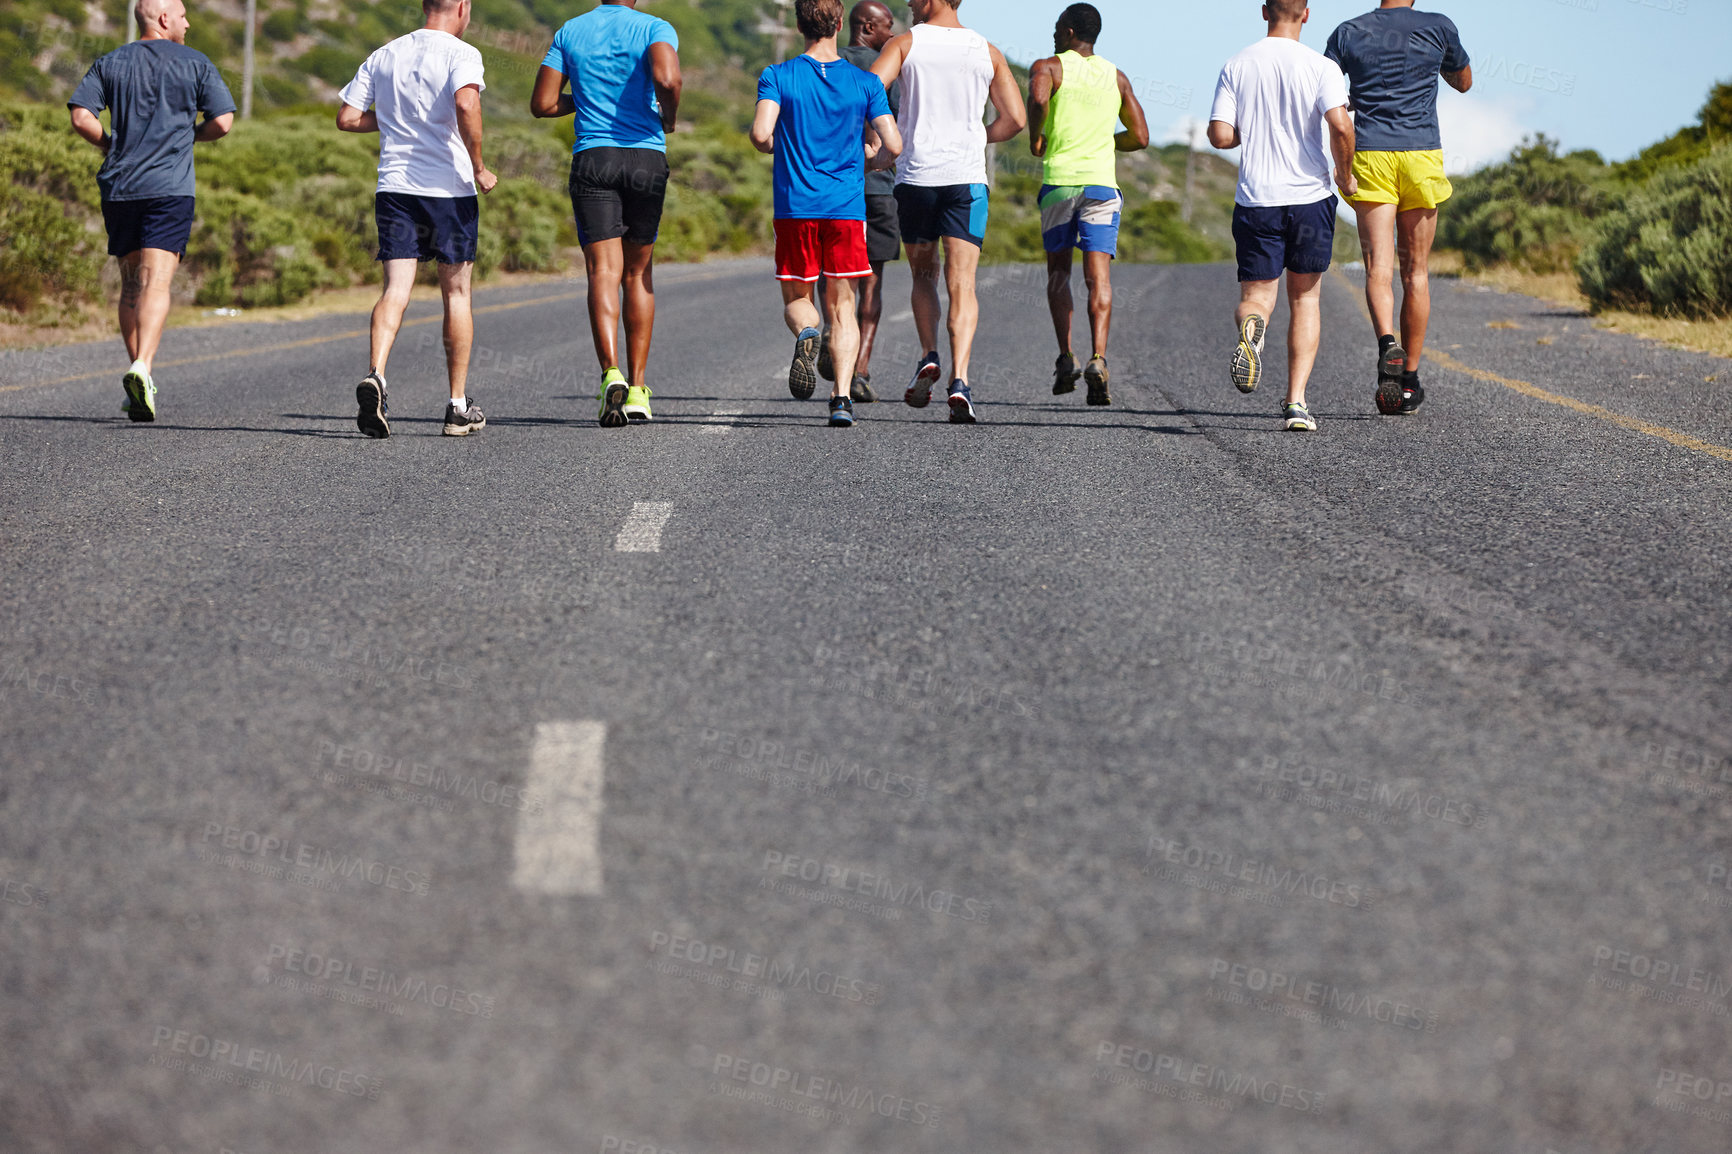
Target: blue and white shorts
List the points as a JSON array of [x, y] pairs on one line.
[[1084, 217]]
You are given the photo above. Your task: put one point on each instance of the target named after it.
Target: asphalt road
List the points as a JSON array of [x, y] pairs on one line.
[[1132, 780]]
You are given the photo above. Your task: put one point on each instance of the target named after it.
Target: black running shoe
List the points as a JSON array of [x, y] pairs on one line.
[[1412, 394], [470, 420], [826, 362], [1065, 374], [803, 373], [370, 396], [1391, 368], [961, 404], [841, 413], [1098, 378], [860, 392]]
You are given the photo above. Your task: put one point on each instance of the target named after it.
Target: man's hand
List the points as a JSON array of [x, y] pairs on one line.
[[1347, 183], [485, 180]]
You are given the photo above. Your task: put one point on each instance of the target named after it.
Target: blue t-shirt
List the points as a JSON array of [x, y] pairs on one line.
[[154, 91], [820, 136], [1392, 57], [605, 55]]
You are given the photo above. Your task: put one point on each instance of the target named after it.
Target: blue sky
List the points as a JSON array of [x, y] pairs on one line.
[[1613, 75]]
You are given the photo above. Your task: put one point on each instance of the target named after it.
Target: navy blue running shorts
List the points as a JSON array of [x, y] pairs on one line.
[[1298, 238], [441, 228], [930, 214], [163, 222]]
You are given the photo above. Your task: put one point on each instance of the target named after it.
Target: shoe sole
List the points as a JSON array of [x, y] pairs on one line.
[[635, 413], [1063, 383], [1247, 368], [919, 393], [862, 395], [142, 411], [803, 373], [961, 412], [1099, 392], [613, 407], [841, 422], [1300, 427], [371, 419], [1390, 367], [465, 430]]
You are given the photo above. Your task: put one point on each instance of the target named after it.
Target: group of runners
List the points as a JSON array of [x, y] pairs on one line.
[[878, 145]]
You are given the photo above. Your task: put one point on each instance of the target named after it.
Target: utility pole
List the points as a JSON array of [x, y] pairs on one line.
[[1190, 173], [247, 62]]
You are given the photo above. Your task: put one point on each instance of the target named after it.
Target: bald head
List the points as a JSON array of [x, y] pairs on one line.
[[870, 25], [161, 20]]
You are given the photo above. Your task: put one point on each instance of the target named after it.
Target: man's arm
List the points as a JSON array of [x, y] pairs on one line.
[[1135, 137], [883, 144], [550, 100], [352, 119], [1343, 144], [1460, 81], [88, 125], [1007, 99], [665, 72], [214, 128], [1223, 135], [764, 126], [1044, 79], [888, 66], [469, 128]]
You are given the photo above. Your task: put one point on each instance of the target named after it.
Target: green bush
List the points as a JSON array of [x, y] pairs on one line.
[[1669, 249], [51, 244], [1536, 210]]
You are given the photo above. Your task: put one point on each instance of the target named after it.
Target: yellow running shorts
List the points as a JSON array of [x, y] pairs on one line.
[[1407, 180]]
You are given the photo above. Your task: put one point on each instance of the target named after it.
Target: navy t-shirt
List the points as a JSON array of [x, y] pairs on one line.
[[1392, 58], [820, 136], [154, 91], [877, 183]]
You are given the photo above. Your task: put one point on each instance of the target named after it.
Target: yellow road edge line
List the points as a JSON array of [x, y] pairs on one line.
[[1635, 424]]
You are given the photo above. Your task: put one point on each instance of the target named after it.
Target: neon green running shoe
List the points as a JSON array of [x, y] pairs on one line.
[[637, 403], [140, 393], [613, 395]]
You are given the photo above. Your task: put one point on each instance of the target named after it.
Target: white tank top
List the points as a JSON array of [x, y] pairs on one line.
[[945, 84]]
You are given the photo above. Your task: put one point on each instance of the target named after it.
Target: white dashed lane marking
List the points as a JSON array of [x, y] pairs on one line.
[[726, 424], [642, 532], [557, 849]]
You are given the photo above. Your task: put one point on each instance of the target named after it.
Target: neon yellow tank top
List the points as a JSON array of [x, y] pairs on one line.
[[1082, 122]]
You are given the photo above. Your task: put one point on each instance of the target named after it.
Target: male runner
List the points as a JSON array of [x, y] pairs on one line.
[[813, 113], [870, 26], [154, 89], [1086, 98], [1273, 100], [1393, 57], [624, 68], [948, 72], [426, 91]]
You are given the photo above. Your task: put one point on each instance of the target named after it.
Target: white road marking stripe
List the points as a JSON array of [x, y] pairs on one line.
[[904, 315], [557, 849], [726, 426], [642, 532]]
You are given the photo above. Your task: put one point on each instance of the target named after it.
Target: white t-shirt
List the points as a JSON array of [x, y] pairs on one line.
[[413, 83], [1275, 93]]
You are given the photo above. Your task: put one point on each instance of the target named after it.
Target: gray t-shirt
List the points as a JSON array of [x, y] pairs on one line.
[[154, 91], [877, 183]]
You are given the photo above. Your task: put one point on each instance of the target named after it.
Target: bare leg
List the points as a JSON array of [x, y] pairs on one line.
[[871, 313], [454, 282], [799, 310], [961, 263], [1377, 241], [1304, 299], [388, 313], [928, 309], [640, 308], [1098, 272], [604, 261], [844, 332], [1416, 229], [146, 278], [1058, 298], [1257, 298]]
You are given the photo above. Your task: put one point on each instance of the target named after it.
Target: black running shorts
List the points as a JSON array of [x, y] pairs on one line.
[[618, 192], [883, 231]]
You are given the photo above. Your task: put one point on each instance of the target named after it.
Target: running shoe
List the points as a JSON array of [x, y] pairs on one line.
[[860, 392], [1299, 419], [1391, 369], [613, 394], [919, 393], [1098, 378], [1065, 374], [637, 406], [803, 373], [1248, 357], [961, 404], [1412, 394], [841, 413], [470, 420], [826, 363], [373, 417], [140, 393]]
